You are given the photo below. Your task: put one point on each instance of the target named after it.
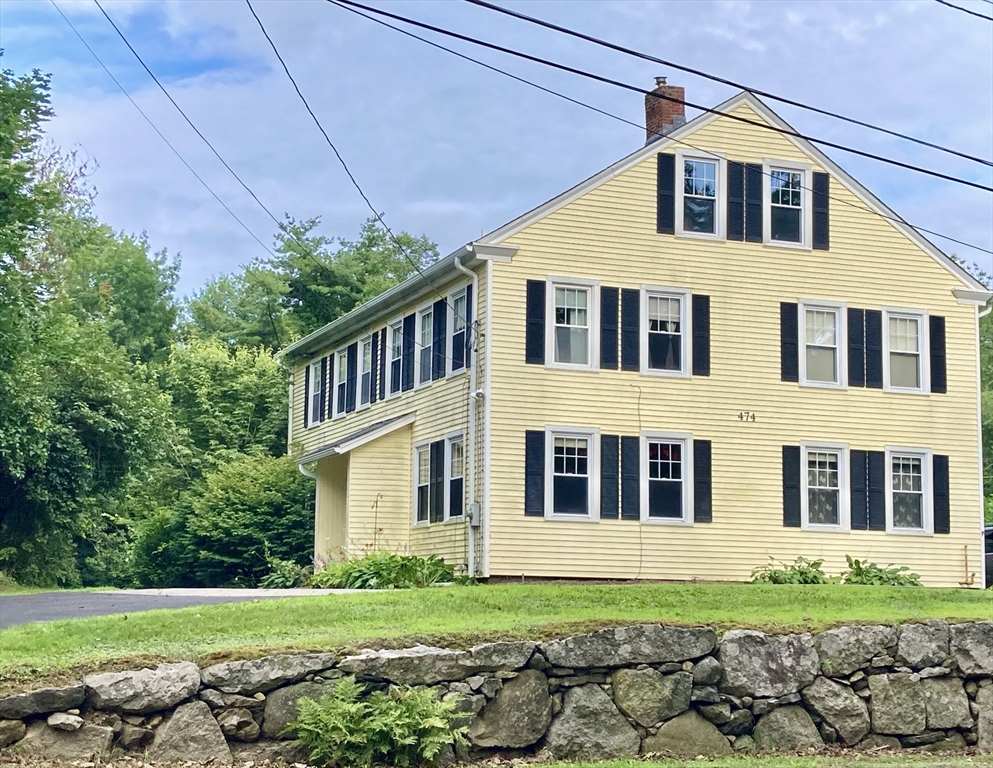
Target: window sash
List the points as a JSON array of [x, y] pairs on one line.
[[425, 319], [571, 474], [423, 483], [396, 356], [823, 482], [571, 317], [665, 479], [664, 319], [365, 378], [905, 346], [316, 392], [456, 473], [907, 491], [700, 196], [786, 215], [822, 351], [341, 382]]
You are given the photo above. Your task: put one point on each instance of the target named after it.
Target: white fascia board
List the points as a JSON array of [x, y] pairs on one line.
[[967, 296]]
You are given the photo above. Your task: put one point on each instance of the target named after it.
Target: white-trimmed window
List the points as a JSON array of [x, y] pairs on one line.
[[666, 477], [571, 327], [395, 336], [316, 393], [425, 336], [340, 381], [665, 331], [825, 498], [422, 483], [699, 193], [908, 491], [572, 472], [454, 477], [365, 371], [823, 332], [458, 334], [904, 351], [788, 217]]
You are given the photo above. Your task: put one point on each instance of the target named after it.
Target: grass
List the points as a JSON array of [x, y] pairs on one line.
[[844, 761], [456, 616]]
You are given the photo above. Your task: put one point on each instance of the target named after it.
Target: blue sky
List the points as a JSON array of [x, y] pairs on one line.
[[450, 150]]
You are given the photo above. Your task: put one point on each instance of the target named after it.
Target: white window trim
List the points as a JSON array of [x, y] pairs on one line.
[[359, 405], [418, 347], [806, 200], [686, 438], [593, 315], [592, 468], [341, 354], [844, 487], [314, 364], [398, 322], [685, 324], [413, 507], [449, 439], [927, 484], [720, 214], [921, 316], [841, 339], [450, 332]]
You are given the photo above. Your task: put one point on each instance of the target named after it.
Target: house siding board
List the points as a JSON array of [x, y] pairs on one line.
[[609, 234]]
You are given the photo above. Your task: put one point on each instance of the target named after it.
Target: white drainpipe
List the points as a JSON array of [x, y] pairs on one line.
[[471, 429]]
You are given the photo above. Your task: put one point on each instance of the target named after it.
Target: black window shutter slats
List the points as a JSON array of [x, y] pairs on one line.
[[306, 396], [534, 473], [877, 491], [630, 478], [468, 326], [374, 372], [667, 194], [609, 476], [352, 359], [789, 342], [702, 482], [753, 203], [942, 506], [821, 239], [382, 364], [791, 486], [407, 354], [324, 389], [856, 348], [874, 348], [859, 474], [701, 335], [936, 342], [736, 201], [436, 473], [630, 329], [439, 316], [608, 327], [534, 343]]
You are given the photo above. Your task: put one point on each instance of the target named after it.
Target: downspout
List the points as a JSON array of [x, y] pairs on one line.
[[307, 472], [471, 427]]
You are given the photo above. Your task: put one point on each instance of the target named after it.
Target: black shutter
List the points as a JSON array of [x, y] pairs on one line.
[[436, 494], [352, 359], [821, 235], [667, 194], [702, 482], [942, 507], [324, 389], [534, 473], [306, 395], [791, 486], [382, 364], [856, 348], [630, 327], [753, 203], [630, 478], [374, 368], [877, 491], [608, 327], [439, 326], [936, 342], [789, 341], [859, 481], [609, 476], [736, 201], [534, 344], [874, 348], [407, 354], [468, 326], [329, 398], [701, 335]]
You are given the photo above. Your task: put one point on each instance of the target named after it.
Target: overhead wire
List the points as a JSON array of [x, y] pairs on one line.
[[663, 97], [724, 81], [965, 10], [896, 219]]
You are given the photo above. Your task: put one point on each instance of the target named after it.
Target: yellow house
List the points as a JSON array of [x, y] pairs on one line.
[[718, 350]]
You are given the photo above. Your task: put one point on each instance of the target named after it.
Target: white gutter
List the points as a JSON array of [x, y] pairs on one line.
[[307, 472], [471, 427]]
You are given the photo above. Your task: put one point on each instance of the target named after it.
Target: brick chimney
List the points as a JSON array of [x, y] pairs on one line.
[[662, 115]]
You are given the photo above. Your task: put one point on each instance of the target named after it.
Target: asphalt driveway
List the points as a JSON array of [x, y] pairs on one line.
[[51, 606]]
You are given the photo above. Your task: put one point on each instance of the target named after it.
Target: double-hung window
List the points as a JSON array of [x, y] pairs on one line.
[[700, 208], [365, 371], [904, 369], [316, 392], [459, 334], [455, 480], [396, 355], [823, 356], [572, 472], [666, 477], [908, 496], [787, 215], [340, 382], [665, 331], [424, 348], [422, 482], [825, 480], [571, 308]]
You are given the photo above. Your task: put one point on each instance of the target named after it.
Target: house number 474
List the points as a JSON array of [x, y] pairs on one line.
[[746, 416]]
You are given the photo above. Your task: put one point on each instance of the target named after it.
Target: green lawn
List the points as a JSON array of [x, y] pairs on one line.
[[841, 761], [455, 616]]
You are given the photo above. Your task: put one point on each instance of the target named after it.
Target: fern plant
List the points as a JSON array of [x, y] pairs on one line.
[[801, 571], [863, 572]]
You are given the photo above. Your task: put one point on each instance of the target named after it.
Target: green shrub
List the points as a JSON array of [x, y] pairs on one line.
[[384, 570], [801, 571], [401, 727], [865, 573], [284, 574]]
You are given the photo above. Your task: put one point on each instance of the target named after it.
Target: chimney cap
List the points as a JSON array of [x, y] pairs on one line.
[[660, 81]]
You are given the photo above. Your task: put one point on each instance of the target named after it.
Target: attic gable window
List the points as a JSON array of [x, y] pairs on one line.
[[787, 218], [699, 196]]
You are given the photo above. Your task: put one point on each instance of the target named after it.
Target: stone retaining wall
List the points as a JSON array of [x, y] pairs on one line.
[[615, 693]]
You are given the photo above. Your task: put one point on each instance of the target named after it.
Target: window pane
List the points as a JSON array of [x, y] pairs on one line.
[[572, 345], [396, 342], [822, 507], [904, 370], [367, 355], [821, 327], [664, 353], [458, 462], [426, 329], [786, 224], [904, 334], [665, 499], [908, 510], [570, 495], [455, 494], [458, 312], [664, 314], [822, 364], [422, 504], [698, 214], [425, 366], [700, 178], [423, 466]]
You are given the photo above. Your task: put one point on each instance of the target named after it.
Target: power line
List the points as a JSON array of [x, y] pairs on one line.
[[722, 80], [964, 10], [557, 94], [652, 94]]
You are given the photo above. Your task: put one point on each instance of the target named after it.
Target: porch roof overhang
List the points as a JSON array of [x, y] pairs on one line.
[[359, 437]]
